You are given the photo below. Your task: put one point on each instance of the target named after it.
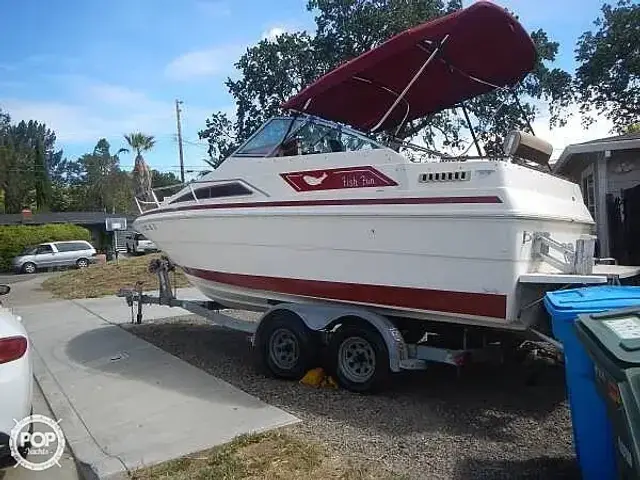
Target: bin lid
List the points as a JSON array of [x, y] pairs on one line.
[[617, 331], [568, 304]]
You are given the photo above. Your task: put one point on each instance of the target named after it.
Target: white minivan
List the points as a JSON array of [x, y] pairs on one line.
[[79, 253]]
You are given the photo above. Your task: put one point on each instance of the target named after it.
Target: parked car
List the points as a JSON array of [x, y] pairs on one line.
[[138, 243], [16, 374], [79, 253]]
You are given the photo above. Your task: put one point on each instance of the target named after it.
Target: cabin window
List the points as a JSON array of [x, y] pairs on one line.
[[317, 138], [214, 191], [285, 136], [224, 190]]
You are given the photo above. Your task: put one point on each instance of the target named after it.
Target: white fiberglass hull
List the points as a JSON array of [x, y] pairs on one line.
[[396, 259]]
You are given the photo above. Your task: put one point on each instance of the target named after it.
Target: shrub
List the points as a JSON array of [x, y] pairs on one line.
[[14, 238]]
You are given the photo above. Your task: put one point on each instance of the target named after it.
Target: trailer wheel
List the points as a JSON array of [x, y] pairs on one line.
[[285, 347], [359, 358]]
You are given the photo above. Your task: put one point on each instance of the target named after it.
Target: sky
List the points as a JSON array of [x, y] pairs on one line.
[[92, 69]]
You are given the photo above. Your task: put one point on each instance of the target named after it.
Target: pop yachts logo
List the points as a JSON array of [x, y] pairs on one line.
[[43, 446]]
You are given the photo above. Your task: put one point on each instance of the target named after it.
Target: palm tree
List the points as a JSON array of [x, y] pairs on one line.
[[139, 142]]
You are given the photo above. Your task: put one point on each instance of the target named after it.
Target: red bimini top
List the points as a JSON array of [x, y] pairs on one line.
[[482, 43]]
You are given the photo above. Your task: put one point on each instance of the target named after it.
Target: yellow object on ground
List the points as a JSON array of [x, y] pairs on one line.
[[318, 378]]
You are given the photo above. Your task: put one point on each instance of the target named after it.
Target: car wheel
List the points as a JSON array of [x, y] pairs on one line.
[[82, 263], [29, 267]]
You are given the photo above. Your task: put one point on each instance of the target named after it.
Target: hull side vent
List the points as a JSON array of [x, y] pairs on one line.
[[457, 176]]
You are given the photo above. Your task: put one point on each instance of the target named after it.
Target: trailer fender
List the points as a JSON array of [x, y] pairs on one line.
[[320, 317]]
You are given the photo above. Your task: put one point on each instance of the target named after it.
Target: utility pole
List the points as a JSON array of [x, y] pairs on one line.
[[178, 102]]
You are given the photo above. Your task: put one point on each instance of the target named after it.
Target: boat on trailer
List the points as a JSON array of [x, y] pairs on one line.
[[313, 217]]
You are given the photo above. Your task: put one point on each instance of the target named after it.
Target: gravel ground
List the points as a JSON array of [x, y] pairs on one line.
[[491, 422]]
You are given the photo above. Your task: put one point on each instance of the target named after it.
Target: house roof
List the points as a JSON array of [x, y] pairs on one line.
[[627, 141], [626, 136], [77, 218]]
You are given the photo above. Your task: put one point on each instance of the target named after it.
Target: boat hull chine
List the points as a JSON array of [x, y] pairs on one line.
[[260, 292]]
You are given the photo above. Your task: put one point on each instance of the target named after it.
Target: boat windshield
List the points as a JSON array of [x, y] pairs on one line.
[[303, 136]]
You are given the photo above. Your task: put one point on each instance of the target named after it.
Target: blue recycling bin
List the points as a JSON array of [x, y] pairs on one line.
[[592, 429]]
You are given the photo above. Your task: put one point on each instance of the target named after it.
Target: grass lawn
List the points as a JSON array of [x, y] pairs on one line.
[[107, 278], [272, 455]]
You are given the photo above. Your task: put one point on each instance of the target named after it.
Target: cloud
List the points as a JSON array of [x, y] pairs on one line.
[[572, 132], [99, 110], [72, 123], [116, 95], [272, 33], [203, 63], [217, 60]]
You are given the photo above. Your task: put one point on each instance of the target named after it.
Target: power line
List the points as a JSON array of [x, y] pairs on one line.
[[201, 145]]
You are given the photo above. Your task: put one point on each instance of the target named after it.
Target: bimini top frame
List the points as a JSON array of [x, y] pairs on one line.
[[466, 53]]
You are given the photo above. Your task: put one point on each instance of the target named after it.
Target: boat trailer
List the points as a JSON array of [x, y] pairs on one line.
[[350, 342]]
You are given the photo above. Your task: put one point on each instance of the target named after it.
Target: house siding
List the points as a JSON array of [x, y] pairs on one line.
[[616, 185], [618, 179]]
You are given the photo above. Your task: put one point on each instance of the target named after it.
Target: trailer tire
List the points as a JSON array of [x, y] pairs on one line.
[[359, 358], [284, 346]]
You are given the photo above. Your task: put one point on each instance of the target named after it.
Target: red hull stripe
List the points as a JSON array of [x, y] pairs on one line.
[[481, 304], [330, 202]]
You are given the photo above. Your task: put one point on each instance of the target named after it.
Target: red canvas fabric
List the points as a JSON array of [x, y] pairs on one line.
[[484, 41]]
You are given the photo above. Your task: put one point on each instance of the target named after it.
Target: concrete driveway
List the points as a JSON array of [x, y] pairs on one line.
[[124, 403], [11, 278]]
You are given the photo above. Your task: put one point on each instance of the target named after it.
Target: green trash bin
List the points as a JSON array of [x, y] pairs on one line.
[[612, 340]]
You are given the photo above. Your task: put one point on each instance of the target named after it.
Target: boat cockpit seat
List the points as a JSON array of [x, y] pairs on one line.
[[289, 148], [335, 145]]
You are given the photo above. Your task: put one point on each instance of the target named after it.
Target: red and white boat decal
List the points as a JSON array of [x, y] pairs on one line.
[[337, 178]]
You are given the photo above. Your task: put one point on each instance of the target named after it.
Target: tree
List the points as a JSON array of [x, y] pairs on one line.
[[139, 142], [163, 181], [34, 174], [274, 70], [633, 128], [15, 175], [216, 131], [5, 122], [103, 186], [41, 177], [608, 76], [27, 158]]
